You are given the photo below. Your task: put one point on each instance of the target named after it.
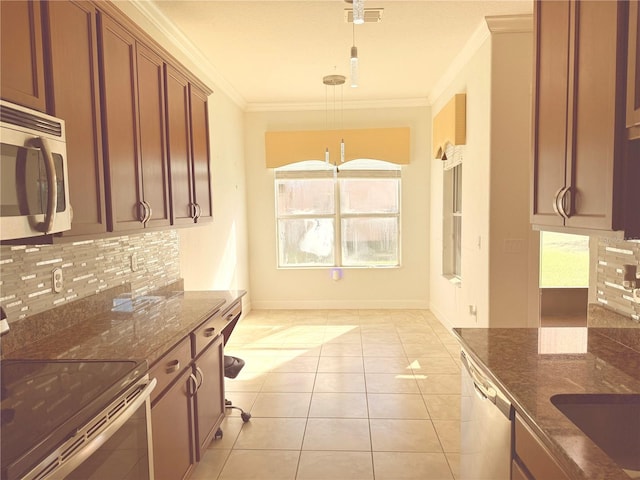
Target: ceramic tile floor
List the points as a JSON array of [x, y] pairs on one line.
[[340, 394]]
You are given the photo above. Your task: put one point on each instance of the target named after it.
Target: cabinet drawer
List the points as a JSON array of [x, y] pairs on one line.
[[169, 367], [234, 312], [534, 455], [207, 333]]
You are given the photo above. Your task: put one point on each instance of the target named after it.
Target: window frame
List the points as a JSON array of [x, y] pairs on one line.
[[338, 173], [452, 215]]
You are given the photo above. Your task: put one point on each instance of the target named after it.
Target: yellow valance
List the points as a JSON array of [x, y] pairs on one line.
[[450, 125], [388, 144]]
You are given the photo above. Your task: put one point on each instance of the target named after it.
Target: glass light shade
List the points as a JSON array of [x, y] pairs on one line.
[[358, 12], [354, 67]]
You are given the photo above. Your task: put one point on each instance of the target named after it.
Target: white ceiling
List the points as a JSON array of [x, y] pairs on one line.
[[277, 52]]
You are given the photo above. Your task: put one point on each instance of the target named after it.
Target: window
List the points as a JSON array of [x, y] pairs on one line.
[[347, 216], [564, 260], [452, 219]]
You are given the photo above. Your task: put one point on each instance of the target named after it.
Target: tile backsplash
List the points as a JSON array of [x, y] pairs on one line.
[[612, 256], [88, 267]]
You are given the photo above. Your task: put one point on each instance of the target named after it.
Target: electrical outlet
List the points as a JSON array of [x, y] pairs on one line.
[[57, 281]]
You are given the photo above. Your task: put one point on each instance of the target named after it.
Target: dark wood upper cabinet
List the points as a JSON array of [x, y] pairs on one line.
[[22, 76], [133, 129], [200, 154], [75, 97], [579, 110], [153, 159], [179, 147], [550, 108], [188, 133], [633, 72]]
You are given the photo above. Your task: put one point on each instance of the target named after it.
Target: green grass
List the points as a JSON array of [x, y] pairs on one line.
[[564, 260]]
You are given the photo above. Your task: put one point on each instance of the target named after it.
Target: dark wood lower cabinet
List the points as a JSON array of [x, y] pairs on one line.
[[517, 472], [209, 398], [171, 418], [532, 458], [188, 406]]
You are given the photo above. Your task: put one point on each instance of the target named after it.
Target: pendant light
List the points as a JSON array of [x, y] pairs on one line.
[[333, 81], [354, 61], [358, 12]]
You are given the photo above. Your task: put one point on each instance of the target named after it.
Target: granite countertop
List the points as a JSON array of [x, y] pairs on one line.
[[143, 328], [532, 364]]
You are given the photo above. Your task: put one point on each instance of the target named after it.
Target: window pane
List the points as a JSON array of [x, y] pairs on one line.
[[457, 246], [305, 242], [370, 242], [305, 196], [365, 195], [564, 260]]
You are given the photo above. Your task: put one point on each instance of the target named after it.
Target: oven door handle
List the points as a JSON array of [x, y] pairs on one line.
[[100, 438], [52, 183]]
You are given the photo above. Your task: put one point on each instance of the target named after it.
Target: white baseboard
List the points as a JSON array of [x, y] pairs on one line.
[[339, 304]]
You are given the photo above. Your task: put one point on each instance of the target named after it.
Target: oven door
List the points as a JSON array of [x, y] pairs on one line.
[[116, 443]]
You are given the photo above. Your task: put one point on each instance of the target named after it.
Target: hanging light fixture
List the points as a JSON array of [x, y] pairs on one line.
[[358, 11], [333, 81], [354, 61]]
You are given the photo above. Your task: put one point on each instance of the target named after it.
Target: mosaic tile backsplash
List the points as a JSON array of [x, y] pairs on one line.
[[612, 256], [88, 267]]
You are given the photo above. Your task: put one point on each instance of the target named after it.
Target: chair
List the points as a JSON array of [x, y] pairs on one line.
[[232, 367]]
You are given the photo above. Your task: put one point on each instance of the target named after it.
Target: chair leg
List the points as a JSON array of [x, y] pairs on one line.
[[246, 416]]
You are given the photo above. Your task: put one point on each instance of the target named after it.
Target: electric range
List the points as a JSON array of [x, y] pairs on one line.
[[47, 402]]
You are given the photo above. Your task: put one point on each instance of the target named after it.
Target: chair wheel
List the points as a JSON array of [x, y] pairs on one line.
[[245, 416], [219, 434]]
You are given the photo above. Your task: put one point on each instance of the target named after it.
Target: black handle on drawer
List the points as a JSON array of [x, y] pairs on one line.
[[209, 332]]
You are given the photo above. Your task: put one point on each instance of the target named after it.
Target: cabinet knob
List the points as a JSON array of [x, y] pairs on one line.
[[173, 366], [209, 332]]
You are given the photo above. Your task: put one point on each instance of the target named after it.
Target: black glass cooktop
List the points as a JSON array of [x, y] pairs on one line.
[[45, 401]]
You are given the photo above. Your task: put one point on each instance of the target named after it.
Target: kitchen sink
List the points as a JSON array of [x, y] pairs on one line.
[[611, 421]]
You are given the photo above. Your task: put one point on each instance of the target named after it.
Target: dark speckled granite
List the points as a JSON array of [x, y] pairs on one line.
[[143, 328], [531, 365]]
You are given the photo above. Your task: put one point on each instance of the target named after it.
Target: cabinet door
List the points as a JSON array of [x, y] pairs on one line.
[[550, 108], [21, 54], [171, 419], [633, 72], [200, 154], [595, 113], [119, 121], [150, 86], [75, 98], [209, 399], [178, 132]]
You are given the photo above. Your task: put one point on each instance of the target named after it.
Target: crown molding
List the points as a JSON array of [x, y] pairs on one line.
[[490, 25], [355, 105], [510, 23], [477, 38], [187, 48]]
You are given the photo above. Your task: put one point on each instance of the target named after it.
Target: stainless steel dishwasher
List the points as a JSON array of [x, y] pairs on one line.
[[486, 426]]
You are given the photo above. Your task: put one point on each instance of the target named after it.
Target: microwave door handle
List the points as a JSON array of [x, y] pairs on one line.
[[52, 184]]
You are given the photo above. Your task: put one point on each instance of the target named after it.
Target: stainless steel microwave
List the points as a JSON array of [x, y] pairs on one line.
[[34, 194]]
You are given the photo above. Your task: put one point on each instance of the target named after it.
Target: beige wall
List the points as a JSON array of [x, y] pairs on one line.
[[496, 280], [214, 257], [404, 287]]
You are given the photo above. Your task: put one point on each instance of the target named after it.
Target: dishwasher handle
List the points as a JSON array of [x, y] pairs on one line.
[[485, 388]]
